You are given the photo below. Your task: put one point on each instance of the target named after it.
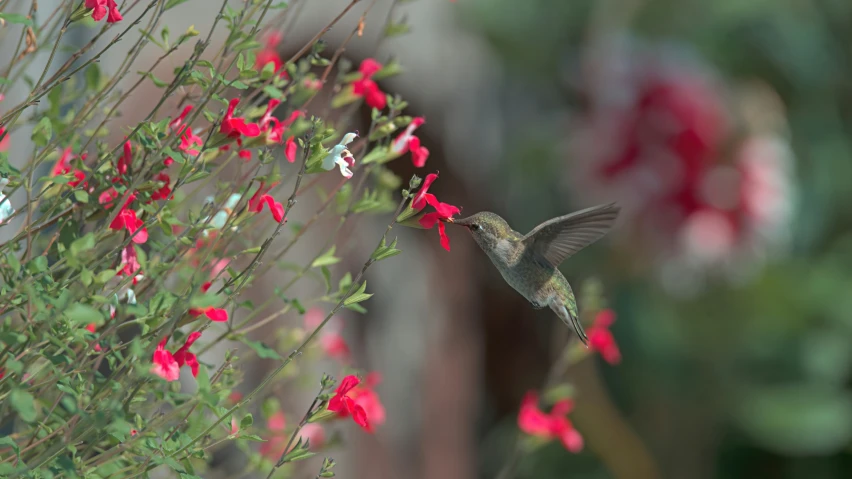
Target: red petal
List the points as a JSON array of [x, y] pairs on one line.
[[359, 415], [347, 384], [290, 150], [445, 240], [369, 67], [217, 315], [419, 201]]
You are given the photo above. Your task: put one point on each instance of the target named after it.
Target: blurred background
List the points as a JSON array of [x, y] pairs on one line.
[[724, 129]]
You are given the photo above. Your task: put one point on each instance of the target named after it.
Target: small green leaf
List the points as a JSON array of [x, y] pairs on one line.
[[246, 421], [326, 259], [23, 402], [37, 265], [81, 196], [8, 441], [82, 244], [358, 296], [252, 437], [17, 19]]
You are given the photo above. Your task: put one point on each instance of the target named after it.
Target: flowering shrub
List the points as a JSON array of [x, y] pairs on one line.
[[117, 274]]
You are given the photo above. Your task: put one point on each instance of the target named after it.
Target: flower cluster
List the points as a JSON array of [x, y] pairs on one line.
[[104, 8], [655, 138], [407, 141], [359, 400], [442, 213]]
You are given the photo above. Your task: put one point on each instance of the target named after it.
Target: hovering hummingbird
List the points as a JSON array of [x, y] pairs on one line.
[[529, 263]]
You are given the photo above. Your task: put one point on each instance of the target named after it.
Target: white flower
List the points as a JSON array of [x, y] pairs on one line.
[[340, 156], [6, 210]]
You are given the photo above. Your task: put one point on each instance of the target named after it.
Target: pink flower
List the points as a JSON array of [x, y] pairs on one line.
[[406, 141], [314, 433], [129, 264], [366, 87], [235, 127], [361, 402], [183, 357], [331, 341], [127, 219], [601, 339], [126, 159], [101, 8], [165, 365], [275, 444], [555, 425]]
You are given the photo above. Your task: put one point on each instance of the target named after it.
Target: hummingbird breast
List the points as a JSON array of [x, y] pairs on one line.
[[533, 278]]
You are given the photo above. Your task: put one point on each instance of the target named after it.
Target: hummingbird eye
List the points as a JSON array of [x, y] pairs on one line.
[[475, 227]]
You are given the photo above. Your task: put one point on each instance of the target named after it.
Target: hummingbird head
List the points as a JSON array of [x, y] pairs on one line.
[[487, 228]]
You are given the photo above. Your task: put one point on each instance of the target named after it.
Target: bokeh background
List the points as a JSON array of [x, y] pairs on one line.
[[723, 128]]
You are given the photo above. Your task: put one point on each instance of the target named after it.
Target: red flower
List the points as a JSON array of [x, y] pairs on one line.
[[101, 8], [219, 315], [183, 356], [443, 211], [344, 405], [260, 198], [63, 167], [126, 159], [602, 340], [165, 190], [234, 127], [366, 87], [555, 425], [269, 54], [127, 219], [419, 201], [359, 401], [275, 444], [406, 141]]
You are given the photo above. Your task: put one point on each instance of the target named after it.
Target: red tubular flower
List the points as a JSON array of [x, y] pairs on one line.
[[183, 356], [344, 405], [602, 340], [219, 315], [63, 167], [261, 198], [234, 127], [127, 219], [443, 211], [406, 141], [419, 201], [165, 190], [269, 54], [104, 8], [367, 88], [92, 327], [126, 159], [555, 425]]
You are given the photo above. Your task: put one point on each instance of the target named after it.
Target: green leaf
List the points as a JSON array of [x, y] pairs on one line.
[[17, 19], [252, 437], [37, 265], [42, 132], [326, 259], [105, 276], [358, 296], [246, 421], [24, 403], [8, 441], [263, 351], [300, 451], [82, 244], [83, 314], [326, 276], [81, 196]]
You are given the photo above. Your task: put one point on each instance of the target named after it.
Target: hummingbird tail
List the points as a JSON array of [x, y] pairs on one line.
[[570, 320]]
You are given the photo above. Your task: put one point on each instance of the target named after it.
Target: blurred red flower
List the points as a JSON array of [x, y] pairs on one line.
[[535, 422]]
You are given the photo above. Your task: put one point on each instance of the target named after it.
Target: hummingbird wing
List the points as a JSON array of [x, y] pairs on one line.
[[558, 238]]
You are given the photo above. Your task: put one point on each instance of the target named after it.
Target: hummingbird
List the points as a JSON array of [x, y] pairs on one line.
[[529, 263]]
